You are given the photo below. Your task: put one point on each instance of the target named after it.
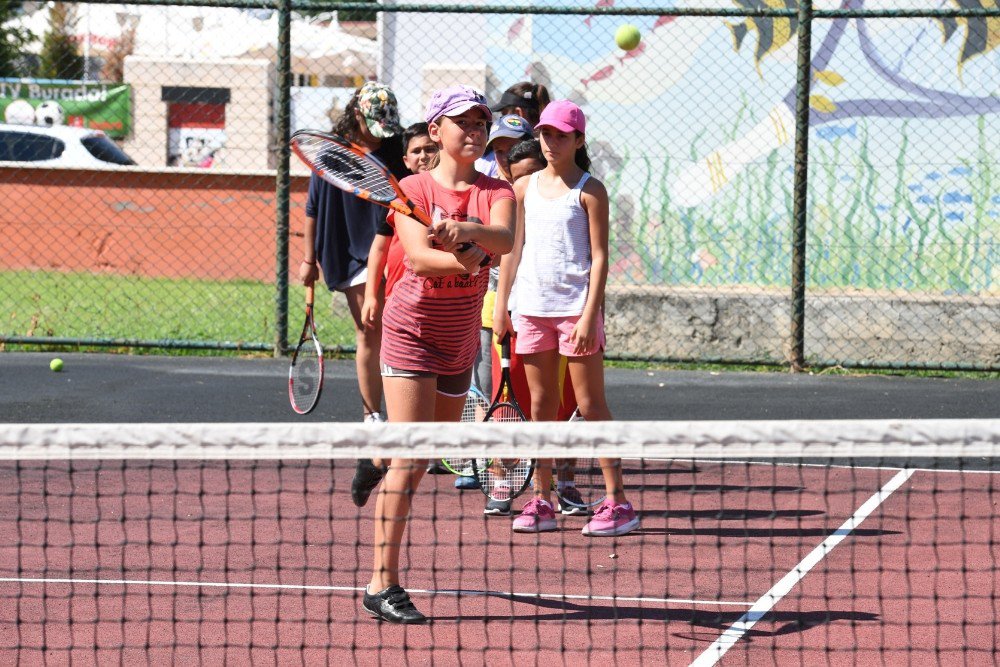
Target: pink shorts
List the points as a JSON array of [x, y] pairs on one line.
[[541, 334]]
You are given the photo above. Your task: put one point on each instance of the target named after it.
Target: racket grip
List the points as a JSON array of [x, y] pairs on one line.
[[505, 350], [487, 260]]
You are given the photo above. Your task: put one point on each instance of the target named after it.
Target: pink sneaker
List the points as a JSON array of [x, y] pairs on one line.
[[537, 516], [612, 519]]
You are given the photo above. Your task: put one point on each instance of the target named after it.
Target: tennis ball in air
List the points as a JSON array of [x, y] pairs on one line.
[[56, 365], [627, 37]]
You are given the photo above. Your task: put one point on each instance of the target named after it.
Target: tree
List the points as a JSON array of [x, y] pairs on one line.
[[114, 62], [357, 15], [349, 15], [12, 40], [60, 57]]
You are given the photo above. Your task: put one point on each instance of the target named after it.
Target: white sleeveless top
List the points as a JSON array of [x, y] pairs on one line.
[[554, 274]]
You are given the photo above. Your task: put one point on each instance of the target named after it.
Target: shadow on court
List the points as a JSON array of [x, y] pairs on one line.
[[569, 611]]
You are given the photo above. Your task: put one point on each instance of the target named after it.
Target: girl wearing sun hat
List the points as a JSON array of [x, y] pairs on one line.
[[432, 318], [339, 228]]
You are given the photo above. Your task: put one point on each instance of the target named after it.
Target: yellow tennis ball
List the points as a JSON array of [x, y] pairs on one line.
[[627, 37], [56, 365]]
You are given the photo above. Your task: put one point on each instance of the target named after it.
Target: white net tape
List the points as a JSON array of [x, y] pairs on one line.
[[646, 439]]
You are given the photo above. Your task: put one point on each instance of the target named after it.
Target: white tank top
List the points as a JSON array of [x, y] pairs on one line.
[[554, 274]]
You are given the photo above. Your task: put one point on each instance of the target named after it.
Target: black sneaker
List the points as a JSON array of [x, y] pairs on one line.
[[393, 605], [571, 502], [437, 468], [366, 477], [496, 507]]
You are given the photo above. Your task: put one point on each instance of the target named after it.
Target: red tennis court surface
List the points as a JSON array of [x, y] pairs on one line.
[[169, 562]]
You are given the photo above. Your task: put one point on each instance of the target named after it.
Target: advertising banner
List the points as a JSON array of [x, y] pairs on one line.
[[101, 106]]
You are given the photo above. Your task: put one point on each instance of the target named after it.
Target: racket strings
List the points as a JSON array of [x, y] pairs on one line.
[[344, 165], [475, 408], [305, 376], [500, 477], [579, 482], [506, 413], [473, 411]]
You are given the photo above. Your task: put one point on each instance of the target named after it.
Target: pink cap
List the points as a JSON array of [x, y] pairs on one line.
[[454, 101], [564, 116]]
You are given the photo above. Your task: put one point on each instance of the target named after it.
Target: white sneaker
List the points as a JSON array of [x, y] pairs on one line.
[[374, 418]]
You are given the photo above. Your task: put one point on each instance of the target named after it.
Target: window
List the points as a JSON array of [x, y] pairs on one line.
[[28, 147], [106, 150]]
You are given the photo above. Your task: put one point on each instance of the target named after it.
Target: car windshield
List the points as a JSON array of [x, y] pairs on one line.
[[104, 149], [29, 147]]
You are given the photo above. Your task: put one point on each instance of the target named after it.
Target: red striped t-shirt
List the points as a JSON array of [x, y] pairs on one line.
[[393, 264], [432, 324]]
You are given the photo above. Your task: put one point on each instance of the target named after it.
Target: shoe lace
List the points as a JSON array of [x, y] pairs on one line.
[[606, 511], [531, 507]]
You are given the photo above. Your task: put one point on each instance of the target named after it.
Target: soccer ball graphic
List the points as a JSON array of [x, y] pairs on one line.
[[49, 113], [20, 112]]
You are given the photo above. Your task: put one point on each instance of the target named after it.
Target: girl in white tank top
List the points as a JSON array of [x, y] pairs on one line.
[[560, 261], [554, 272]]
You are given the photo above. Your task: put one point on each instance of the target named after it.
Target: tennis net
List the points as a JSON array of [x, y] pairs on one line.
[[834, 541]]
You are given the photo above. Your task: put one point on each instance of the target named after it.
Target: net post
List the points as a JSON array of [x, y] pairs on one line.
[[796, 356], [282, 131]]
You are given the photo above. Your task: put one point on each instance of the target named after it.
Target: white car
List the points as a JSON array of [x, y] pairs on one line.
[[59, 146]]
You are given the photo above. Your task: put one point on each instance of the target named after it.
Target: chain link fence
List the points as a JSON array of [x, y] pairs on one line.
[[800, 183]]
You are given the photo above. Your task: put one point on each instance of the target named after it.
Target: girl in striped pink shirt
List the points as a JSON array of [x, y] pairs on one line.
[[430, 328]]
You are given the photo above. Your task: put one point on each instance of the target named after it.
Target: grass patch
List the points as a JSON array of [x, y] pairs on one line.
[[88, 307]]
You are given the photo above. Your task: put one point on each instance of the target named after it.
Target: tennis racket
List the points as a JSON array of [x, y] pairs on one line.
[[348, 167], [305, 374], [585, 488], [474, 411], [504, 479]]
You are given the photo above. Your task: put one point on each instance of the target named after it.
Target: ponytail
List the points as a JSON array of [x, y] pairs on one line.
[[581, 157]]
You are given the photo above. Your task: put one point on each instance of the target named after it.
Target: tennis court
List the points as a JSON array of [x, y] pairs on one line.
[[810, 185], [260, 557]]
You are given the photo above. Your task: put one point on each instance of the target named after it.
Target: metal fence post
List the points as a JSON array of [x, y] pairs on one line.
[[283, 106], [800, 187]]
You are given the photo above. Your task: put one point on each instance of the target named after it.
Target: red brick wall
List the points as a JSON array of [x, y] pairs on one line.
[[150, 223]]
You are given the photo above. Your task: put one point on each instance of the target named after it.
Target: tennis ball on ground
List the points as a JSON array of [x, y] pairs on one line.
[[56, 365], [627, 37]]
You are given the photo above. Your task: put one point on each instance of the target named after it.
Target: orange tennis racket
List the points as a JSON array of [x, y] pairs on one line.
[[350, 168]]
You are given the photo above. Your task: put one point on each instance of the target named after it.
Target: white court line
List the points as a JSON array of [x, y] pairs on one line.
[[353, 589], [768, 600]]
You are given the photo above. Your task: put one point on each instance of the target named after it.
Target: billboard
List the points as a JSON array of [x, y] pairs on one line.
[[100, 106]]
